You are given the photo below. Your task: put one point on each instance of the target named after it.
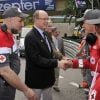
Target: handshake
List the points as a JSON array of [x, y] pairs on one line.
[[65, 63]]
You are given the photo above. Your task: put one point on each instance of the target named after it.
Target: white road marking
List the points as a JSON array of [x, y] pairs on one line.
[[61, 77], [74, 84], [77, 85], [87, 90]]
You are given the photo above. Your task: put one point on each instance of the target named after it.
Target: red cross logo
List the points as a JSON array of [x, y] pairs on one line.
[[92, 95], [92, 60], [2, 58]]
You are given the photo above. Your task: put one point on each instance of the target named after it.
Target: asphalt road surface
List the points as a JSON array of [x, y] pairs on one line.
[[68, 83]]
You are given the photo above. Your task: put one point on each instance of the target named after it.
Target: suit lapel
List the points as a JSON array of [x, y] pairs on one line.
[[41, 39]]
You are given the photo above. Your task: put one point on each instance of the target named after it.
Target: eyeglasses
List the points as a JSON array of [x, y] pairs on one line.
[[43, 18]]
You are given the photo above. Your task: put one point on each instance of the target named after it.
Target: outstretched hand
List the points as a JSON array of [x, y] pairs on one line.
[[65, 64], [30, 94]]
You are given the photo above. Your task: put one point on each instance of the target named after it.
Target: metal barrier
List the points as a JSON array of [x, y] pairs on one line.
[[70, 48]]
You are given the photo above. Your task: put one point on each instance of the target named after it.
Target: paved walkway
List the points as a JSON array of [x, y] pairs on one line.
[[68, 88]]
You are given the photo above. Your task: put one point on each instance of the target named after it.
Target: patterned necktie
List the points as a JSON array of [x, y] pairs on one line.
[[47, 42]]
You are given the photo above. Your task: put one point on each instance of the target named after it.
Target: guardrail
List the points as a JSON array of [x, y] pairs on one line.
[[70, 48]]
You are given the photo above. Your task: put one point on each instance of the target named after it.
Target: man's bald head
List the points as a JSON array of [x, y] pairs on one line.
[[38, 13], [41, 18]]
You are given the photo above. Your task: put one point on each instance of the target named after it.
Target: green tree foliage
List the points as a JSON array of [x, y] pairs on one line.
[[70, 6], [72, 10]]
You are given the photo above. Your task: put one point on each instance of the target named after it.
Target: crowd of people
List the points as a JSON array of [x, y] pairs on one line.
[[45, 55]]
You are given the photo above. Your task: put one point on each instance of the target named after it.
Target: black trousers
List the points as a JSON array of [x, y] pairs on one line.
[[7, 92]]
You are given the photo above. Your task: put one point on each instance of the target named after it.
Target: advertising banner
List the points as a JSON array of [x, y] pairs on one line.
[[28, 5], [80, 4]]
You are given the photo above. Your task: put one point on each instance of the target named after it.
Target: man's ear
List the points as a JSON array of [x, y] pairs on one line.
[[4, 27]]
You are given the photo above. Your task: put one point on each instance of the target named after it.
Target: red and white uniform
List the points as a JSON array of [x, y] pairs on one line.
[[91, 64], [95, 91], [6, 43]]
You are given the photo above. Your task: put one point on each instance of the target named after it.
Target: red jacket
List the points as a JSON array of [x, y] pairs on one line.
[[91, 64], [86, 63], [94, 94]]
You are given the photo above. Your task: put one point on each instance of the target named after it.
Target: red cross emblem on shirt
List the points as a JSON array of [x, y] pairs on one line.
[[92, 95], [2, 58]]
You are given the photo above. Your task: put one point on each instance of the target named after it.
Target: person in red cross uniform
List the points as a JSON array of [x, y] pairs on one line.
[[93, 62], [9, 60]]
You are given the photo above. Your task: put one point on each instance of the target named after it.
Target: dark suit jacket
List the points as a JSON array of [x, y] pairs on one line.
[[40, 64]]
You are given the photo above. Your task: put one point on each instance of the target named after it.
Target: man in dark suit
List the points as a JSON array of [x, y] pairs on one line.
[[40, 64]]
